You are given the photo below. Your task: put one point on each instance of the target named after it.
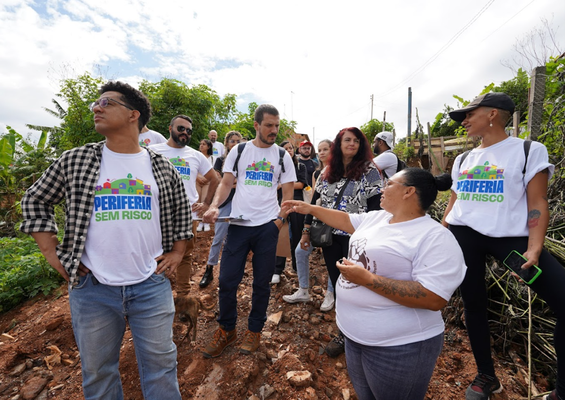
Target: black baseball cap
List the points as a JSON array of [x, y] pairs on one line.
[[494, 99]]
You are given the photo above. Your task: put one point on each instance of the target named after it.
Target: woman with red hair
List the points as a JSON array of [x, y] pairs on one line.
[[350, 171]]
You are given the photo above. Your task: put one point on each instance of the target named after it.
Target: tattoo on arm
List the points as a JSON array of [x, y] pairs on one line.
[[533, 218], [399, 288]]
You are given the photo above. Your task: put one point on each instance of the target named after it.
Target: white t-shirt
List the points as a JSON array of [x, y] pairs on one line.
[[124, 235], [387, 162], [218, 149], [491, 190], [151, 137], [189, 163], [419, 250], [255, 199]]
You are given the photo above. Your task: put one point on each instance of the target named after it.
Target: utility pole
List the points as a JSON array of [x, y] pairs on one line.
[[409, 114], [384, 121], [291, 105], [372, 97], [313, 136]]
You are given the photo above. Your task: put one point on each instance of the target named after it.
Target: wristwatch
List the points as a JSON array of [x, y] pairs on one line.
[[280, 219]]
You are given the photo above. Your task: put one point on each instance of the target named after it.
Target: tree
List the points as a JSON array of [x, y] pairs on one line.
[[244, 125], [517, 88], [77, 127], [535, 48], [21, 164], [373, 127], [170, 97]]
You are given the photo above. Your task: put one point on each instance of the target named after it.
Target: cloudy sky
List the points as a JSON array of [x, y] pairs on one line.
[[318, 62]]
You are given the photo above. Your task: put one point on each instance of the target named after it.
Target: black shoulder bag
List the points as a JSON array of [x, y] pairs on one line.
[[321, 233]]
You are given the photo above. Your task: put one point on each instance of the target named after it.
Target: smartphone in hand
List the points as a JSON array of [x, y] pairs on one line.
[[514, 262]]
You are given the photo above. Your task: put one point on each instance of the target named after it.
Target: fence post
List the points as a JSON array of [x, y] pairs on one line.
[[535, 102], [516, 123]]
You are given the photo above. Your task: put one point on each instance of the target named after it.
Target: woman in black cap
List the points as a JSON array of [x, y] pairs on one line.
[[499, 204]]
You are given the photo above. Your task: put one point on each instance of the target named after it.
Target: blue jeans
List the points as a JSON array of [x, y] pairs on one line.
[[303, 268], [262, 241], [220, 233], [392, 373], [99, 313]]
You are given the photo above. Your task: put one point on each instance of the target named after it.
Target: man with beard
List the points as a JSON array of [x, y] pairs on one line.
[[305, 158], [385, 160], [218, 148], [259, 166], [189, 163]]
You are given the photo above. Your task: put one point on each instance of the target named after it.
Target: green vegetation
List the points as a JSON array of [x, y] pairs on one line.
[[24, 272]]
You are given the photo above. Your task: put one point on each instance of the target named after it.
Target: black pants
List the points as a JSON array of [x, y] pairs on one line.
[[338, 249], [550, 286]]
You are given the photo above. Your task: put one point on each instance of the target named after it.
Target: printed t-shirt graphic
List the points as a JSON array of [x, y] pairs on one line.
[[259, 174], [189, 163], [182, 166], [124, 235], [151, 137], [491, 188], [481, 183]]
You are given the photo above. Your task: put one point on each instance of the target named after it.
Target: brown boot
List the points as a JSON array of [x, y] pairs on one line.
[[251, 342], [220, 341]]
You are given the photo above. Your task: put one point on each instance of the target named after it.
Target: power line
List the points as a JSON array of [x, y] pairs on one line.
[[440, 51], [507, 21]]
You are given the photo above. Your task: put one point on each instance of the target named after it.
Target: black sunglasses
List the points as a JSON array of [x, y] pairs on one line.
[[181, 129]]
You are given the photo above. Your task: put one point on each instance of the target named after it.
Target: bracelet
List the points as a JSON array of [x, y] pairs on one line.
[[306, 230]]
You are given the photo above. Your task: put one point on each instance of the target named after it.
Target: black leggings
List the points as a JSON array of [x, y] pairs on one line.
[[338, 249], [550, 286]]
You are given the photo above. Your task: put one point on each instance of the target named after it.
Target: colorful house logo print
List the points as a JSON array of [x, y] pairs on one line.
[[123, 199], [260, 174], [483, 183], [182, 166]]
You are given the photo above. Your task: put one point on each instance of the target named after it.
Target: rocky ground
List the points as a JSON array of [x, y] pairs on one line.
[[39, 358]]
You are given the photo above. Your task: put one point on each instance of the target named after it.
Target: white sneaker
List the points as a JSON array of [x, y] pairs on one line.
[[206, 227], [275, 279], [301, 295], [200, 227], [328, 303]]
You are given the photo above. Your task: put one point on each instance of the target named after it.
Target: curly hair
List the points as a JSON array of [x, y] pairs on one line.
[[335, 169], [132, 97]]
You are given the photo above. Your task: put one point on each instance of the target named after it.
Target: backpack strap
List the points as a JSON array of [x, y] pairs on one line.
[[527, 145], [240, 148], [281, 159], [463, 157]]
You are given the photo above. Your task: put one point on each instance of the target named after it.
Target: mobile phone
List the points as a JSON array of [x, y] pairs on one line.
[[514, 262]]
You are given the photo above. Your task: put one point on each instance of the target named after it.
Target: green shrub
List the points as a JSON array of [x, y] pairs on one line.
[[24, 272]]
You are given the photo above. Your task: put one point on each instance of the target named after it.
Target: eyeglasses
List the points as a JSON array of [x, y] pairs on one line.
[[181, 129], [103, 103], [387, 184], [233, 141]]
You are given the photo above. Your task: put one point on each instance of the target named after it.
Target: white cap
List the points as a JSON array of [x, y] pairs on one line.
[[387, 137]]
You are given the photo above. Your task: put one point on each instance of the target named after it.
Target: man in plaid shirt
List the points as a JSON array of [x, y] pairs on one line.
[[127, 223]]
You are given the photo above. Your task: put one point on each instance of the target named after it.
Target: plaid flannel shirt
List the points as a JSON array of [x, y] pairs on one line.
[[73, 177]]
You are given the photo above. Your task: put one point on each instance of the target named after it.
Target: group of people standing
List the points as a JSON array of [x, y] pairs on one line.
[[131, 210]]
